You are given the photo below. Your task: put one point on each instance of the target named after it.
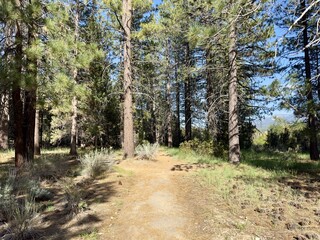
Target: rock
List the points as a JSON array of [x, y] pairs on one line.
[[296, 205], [317, 212], [259, 210], [312, 236], [292, 226], [304, 222]]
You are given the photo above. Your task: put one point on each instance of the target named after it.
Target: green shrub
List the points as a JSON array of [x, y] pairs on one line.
[[147, 151], [94, 163], [200, 147]]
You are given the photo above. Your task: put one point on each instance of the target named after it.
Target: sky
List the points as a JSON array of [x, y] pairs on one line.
[[156, 2]]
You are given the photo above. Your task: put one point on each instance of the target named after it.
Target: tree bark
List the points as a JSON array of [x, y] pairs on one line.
[[30, 99], [168, 98], [4, 100], [233, 127], [177, 127], [188, 97], [73, 141], [169, 116], [37, 150], [209, 97], [19, 144], [29, 124], [127, 79], [4, 121], [74, 103], [311, 111]]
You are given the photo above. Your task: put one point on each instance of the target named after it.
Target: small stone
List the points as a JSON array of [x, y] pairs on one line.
[[317, 212], [259, 210], [291, 226]]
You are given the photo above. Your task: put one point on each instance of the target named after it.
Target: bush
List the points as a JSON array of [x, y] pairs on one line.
[[96, 162], [197, 146], [74, 196], [147, 151], [21, 216], [23, 220]]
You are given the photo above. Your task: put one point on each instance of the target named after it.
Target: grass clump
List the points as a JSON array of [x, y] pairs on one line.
[[23, 220], [91, 235], [147, 151], [94, 163], [74, 196], [19, 208]]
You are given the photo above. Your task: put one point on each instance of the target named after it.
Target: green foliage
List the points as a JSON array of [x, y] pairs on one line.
[[197, 146], [94, 163], [286, 136], [90, 235], [147, 151]]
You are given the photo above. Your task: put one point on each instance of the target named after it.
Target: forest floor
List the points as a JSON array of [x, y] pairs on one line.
[[170, 198]]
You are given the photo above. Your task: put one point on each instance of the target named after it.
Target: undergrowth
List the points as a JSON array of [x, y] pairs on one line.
[[253, 178], [147, 151], [94, 163]]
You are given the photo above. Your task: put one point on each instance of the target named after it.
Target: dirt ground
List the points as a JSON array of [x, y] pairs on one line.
[[161, 200]]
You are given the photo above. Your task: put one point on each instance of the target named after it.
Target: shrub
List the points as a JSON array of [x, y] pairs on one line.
[[147, 151], [74, 196], [23, 220], [197, 146], [96, 162]]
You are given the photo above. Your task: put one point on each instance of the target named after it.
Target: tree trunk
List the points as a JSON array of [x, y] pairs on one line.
[[311, 109], [30, 99], [169, 116], [177, 127], [168, 98], [37, 134], [4, 100], [4, 121], [188, 97], [209, 97], [233, 128], [73, 142], [17, 103], [127, 79], [29, 124], [74, 103]]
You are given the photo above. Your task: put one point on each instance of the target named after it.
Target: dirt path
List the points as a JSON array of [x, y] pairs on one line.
[[155, 205]]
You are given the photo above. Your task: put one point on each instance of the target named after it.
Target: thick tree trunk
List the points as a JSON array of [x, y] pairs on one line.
[[4, 121], [233, 128], [311, 108], [188, 97], [18, 127], [19, 144], [127, 79], [37, 134], [29, 124]]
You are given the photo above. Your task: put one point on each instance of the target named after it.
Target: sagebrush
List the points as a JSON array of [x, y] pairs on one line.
[[147, 151], [94, 163]]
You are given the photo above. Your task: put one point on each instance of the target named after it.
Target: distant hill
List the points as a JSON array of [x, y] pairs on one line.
[[264, 124]]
